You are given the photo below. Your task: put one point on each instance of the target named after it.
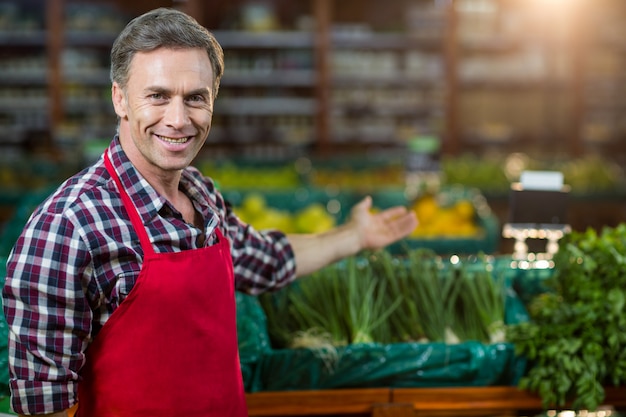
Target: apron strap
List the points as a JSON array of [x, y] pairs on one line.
[[140, 229]]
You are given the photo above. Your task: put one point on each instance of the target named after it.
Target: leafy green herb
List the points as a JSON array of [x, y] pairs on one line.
[[576, 340]]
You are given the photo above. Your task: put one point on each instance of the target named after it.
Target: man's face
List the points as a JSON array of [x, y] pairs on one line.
[[165, 111]]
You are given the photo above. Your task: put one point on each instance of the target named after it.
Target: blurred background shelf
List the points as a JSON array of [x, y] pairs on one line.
[[346, 79], [451, 64]]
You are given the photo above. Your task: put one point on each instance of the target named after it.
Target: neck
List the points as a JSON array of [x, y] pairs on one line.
[[168, 188], [166, 184]]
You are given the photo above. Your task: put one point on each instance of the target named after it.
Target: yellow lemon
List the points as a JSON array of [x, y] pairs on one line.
[[465, 209], [253, 203], [313, 219], [426, 208]]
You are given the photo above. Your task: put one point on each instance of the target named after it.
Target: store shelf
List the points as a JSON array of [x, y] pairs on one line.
[[265, 106], [384, 41], [23, 78], [24, 104], [23, 38], [74, 38], [269, 40], [462, 62], [97, 77], [269, 78]]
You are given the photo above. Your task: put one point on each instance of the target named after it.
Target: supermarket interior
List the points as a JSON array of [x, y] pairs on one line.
[[499, 122]]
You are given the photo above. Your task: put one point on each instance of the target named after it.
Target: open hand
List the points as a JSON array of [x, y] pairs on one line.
[[377, 230]]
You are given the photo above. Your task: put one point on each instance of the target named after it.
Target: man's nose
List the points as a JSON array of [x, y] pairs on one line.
[[176, 113]]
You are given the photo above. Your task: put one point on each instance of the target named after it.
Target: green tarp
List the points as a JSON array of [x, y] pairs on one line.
[[392, 365]]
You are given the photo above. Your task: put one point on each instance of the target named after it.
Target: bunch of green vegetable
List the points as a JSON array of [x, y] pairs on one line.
[[576, 339], [342, 304], [441, 302], [386, 299]]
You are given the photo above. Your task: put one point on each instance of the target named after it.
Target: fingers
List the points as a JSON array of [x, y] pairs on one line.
[[400, 219], [362, 206], [407, 223], [365, 203], [390, 213]]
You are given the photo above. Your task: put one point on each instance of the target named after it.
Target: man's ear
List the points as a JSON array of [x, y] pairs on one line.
[[119, 100]]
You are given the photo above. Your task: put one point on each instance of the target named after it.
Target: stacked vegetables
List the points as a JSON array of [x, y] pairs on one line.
[[386, 299], [313, 217], [457, 219]]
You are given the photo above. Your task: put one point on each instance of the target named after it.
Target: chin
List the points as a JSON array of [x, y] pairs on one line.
[[169, 163]]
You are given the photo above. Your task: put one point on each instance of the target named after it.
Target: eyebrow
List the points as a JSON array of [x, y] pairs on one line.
[[162, 90], [200, 91]]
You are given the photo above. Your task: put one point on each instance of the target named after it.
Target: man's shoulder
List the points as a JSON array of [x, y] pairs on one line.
[[195, 176], [83, 191]]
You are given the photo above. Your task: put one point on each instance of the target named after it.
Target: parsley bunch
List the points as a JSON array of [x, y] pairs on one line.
[[576, 339]]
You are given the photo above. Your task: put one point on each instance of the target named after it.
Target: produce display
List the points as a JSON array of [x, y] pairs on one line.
[[490, 173], [355, 178], [455, 221], [247, 175], [388, 299], [439, 218], [485, 172], [576, 338], [494, 173], [383, 320], [312, 218], [591, 174]]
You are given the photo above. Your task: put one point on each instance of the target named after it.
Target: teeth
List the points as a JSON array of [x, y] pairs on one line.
[[174, 140]]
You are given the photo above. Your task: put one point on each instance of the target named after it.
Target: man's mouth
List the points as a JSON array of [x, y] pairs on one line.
[[174, 140]]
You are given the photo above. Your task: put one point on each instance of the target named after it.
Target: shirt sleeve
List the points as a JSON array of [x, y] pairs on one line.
[[47, 313], [262, 260]]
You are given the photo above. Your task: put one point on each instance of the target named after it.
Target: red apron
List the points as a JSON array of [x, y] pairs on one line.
[[170, 349]]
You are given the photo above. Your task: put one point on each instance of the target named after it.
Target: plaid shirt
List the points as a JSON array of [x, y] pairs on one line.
[[78, 257]]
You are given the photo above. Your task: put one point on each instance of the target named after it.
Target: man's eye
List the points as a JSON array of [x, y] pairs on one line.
[[196, 98], [156, 96]]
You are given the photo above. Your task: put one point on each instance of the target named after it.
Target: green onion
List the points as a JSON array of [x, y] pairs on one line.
[[384, 298]]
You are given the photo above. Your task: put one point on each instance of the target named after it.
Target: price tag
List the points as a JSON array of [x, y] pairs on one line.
[[542, 180], [540, 198]]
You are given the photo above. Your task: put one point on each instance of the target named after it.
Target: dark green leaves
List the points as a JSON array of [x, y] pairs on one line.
[[576, 340]]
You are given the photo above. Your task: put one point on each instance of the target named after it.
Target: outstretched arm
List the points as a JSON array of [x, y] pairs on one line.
[[364, 230]]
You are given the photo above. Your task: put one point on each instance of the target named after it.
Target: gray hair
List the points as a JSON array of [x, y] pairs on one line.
[[163, 28]]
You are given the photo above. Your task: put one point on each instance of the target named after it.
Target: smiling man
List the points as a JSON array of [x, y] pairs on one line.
[[120, 290]]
